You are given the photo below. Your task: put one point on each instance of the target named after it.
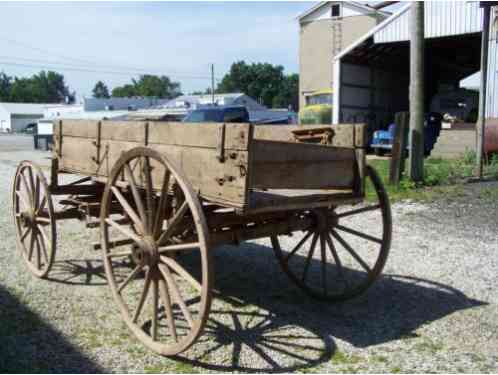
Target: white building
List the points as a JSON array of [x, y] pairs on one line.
[[371, 76], [14, 117]]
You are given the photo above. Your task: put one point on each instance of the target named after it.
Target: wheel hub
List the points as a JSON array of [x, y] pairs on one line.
[[325, 219], [147, 253]]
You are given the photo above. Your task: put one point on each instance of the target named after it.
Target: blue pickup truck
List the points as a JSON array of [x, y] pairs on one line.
[[382, 140]]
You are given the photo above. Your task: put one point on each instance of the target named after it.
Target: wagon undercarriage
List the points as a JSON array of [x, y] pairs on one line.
[[163, 203]]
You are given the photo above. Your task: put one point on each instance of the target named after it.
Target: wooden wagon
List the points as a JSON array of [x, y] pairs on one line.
[[165, 195]]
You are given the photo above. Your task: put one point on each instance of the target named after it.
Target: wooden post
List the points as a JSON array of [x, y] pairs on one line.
[[398, 151], [481, 121], [416, 139]]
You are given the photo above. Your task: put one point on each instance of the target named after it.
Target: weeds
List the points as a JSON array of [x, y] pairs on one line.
[[442, 176]]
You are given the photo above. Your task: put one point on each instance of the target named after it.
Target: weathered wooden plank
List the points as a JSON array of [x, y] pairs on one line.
[[286, 200], [198, 135], [286, 165], [78, 128], [221, 182], [345, 135], [129, 131]]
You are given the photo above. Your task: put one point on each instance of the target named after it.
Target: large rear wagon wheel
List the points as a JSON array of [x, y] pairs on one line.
[[344, 251], [34, 218], [165, 299]]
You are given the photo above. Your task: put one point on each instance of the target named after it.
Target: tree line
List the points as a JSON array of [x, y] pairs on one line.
[[44, 87], [266, 83]]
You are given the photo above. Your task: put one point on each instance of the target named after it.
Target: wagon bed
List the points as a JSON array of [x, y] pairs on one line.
[[165, 195]]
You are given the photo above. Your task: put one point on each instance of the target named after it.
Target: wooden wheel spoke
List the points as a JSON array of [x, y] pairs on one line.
[[149, 195], [167, 308], [42, 219], [164, 201], [155, 308], [179, 247], [143, 297], [36, 193], [359, 210], [333, 250], [31, 245], [119, 254], [309, 257], [32, 186], [173, 223], [25, 234], [41, 206], [337, 260], [127, 232], [359, 234], [298, 246], [324, 262], [175, 266], [136, 194], [45, 241], [351, 251], [23, 199], [38, 255], [128, 209], [176, 293], [130, 277]]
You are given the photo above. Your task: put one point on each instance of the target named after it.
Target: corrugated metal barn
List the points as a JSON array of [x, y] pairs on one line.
[[371, 76]]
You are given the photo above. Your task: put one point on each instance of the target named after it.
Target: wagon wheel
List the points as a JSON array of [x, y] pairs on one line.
[[165, 299], [339, 257], [34, 218]]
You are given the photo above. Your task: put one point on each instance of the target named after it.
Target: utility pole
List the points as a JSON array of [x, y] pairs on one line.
[[416, 139], [481, 120], [212, 84]]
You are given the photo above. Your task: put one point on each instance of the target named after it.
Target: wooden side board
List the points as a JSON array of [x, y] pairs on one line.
[[93, 147], [286, 165], [345, 135], [224, 163]]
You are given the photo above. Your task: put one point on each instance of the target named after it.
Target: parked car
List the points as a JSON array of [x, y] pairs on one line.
[[218, 114], [382, 140]]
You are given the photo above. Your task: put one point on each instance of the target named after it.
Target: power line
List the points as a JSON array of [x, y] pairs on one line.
[[89, 70], [127, 69]]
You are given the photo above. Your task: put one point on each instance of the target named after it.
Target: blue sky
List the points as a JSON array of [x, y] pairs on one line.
[[177, 39]]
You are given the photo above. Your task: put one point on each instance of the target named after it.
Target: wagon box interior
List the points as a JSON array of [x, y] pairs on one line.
[[251, 168]]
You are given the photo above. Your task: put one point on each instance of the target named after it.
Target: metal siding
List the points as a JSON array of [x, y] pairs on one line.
[[441, 19]]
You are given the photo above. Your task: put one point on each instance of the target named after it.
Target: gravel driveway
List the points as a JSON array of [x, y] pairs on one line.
[[434, 310]]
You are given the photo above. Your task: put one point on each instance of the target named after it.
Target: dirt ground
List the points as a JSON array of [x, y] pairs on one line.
[[435, 309]]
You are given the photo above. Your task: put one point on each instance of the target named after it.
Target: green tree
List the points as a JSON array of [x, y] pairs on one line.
[[5, 86], [125, 91], [289, 93], [149, 85], [264, 82], [44, 87], [100, 90]]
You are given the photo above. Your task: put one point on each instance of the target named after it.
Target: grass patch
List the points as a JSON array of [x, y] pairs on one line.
[[340, 358], [428, 346], [442, 177]]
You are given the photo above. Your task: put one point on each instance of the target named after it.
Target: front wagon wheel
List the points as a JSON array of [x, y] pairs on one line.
[[344, 251], [165, 299], [34, 218]]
